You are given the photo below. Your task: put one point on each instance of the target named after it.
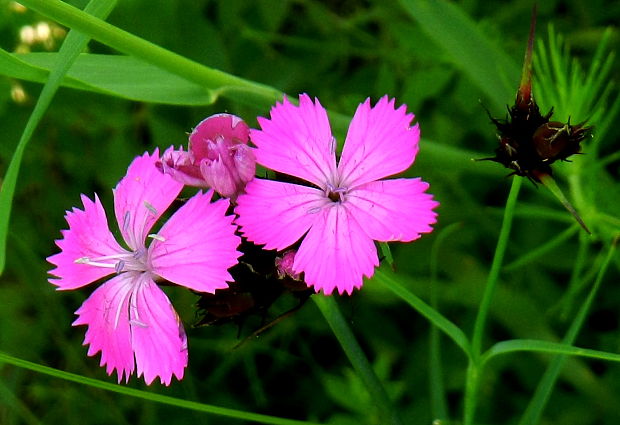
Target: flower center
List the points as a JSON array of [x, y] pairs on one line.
[[121, 262], [336, 194], [124, 260]]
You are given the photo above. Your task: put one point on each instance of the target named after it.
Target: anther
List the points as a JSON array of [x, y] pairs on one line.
[[126, 219], [119, 266], [138, 323], [150, 207]]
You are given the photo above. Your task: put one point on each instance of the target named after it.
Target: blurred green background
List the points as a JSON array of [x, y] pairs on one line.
[[342, 52]]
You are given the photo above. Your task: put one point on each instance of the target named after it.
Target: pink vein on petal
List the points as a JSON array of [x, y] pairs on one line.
[[297, 141], [88, 236], [141, 197], [394, 210], [379, 143], [157, 336], [197, 245], [106, 313], [278, 214], [336, 253]]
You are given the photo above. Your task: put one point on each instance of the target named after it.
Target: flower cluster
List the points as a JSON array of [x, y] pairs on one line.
[[323, 219]]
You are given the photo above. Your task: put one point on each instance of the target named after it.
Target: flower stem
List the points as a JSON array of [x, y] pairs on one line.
[[474, 368], [329, 308], [537, 404]]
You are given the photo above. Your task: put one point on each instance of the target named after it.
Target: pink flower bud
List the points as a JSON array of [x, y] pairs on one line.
[[218, 156], [284, 265]]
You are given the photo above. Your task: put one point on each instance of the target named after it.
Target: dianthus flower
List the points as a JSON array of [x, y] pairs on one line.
[[345, 206], [129, 316], [217, 156]]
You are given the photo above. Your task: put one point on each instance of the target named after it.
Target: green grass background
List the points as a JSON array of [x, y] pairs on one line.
[[442, 65]]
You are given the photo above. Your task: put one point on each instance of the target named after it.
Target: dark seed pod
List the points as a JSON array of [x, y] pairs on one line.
[[529, 142], [557, 141]]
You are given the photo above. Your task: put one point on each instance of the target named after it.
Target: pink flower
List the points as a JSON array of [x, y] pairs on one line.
[[128, 316], [345, 206], [218, 156], [284, 265]]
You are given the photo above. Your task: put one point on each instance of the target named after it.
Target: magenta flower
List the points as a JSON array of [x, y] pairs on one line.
[[129, 316], [218, 156], [345, 206]]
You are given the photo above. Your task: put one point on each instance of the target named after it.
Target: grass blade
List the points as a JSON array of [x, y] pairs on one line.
[[468, 48], [150, 396], [227, 85], [538, 402], [329, 308], [70, 49]]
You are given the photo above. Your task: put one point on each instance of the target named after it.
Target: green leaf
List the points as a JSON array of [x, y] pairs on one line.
[[533, 345], [114, 75], [391, 282], [70, 49], [329, 308], [467, 47], [545, 387], [439, 401], [543, 249], [150, 396], [221, 83]]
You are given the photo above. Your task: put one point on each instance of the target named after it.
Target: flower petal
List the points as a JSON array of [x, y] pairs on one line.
[[141, 197], [157, 335], [179, 165], [106, 313], [336, 252], [88, 237], [197, 245], [226, 126], [393, 210], [297, 141], [379, 143], [278, 214]]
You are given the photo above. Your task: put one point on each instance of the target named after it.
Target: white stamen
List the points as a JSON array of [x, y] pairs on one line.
[[119, 266], [157, 237], [150, 207], [138, 323], [126, 219]]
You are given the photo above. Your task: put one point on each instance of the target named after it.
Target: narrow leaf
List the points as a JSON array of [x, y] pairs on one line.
[[467, 46], [229, 86], [150, 396], [533, 345], [391, 282], [70, 49], [114, 75], [329, 308]]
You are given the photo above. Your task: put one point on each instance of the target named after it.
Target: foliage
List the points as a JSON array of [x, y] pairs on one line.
[[554, 291]]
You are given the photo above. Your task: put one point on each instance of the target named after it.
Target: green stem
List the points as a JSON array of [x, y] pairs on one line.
[[150, 396], [329, 308], [538, 402], [130, 44], [439, 404], [496, 266], [542, 249], [474, 368]]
